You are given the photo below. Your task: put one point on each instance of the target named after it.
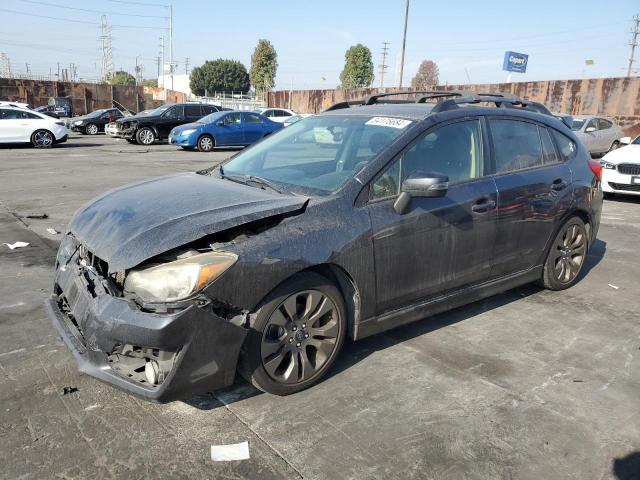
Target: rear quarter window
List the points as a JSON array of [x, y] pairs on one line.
[[566, 147]]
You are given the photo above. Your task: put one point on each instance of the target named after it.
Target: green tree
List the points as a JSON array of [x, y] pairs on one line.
[[427, 75], [122, 78], [358, 68], [264, 63], [150, 82], [221, 75]]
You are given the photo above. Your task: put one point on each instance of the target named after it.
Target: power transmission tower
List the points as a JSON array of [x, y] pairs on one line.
[[107, 49], [186, 66], [383, 63], [634, 42], [5, 65]]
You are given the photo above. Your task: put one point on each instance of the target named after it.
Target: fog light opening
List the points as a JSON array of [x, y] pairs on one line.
[[151, 372]]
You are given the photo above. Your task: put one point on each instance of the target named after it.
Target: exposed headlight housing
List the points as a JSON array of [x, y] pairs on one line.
[[188, 131], [607, 165], [177, 280]]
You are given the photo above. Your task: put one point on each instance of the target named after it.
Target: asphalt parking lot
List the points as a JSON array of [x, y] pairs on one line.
[[529, 384]]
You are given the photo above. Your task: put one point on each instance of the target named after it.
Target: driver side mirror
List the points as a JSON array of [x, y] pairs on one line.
[[220, 122], [431, 185], [590, 129]]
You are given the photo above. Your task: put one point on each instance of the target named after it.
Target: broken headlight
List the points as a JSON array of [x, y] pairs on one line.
[[177, 280]]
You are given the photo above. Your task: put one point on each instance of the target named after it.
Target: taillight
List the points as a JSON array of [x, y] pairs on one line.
[[59, 123], [596, 168]]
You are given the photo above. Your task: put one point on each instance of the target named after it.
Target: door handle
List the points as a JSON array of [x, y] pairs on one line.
[[559, 184], [483, 206]]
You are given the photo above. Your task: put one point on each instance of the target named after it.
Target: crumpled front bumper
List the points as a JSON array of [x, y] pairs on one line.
[[200, 349]]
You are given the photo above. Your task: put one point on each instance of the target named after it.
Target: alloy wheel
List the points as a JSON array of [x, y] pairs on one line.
[[301, 335], [570, 251], [42, 139], [206, 144], [92, 129], [146, 136]]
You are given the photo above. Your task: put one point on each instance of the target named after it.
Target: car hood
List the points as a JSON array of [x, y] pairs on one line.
[[133, 223], [133, 118], [187, 126], [627, 154]]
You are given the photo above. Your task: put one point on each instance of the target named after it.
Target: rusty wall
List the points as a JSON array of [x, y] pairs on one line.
[[619, 97], [87, 96]]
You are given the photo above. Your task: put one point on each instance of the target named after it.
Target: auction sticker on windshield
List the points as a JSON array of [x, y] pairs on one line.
[[389, 122]]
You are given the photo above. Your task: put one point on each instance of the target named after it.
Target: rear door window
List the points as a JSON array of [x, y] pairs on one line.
[[604, 124], [252, 118], [516, 145], [193, 111]]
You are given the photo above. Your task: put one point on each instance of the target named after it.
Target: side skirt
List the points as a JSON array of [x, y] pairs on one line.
[[444, 302]]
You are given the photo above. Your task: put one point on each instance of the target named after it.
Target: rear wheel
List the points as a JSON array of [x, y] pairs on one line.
[[42, 139], [614, 145], [566, 256], [91, 129], [206, 143], [297, 335], [145, 136]]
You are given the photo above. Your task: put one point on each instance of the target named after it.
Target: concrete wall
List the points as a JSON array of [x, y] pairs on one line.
[[87, 96], [617, 97]]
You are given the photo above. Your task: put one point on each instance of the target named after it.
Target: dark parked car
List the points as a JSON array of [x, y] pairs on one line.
[[270, 261], [156, 125], [95, 121], [223, 129]]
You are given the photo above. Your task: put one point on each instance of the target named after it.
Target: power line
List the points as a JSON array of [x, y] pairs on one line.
[[383, 63], [59, 5], [633, 43], [139, 3], [77, 21]]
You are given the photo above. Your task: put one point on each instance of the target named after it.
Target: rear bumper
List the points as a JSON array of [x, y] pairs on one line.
[[112, 340], [62, 139]]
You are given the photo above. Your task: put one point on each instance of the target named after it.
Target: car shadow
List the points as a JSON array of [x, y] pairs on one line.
[[627, 468], [354, 352], [28, 146], [622, 198]]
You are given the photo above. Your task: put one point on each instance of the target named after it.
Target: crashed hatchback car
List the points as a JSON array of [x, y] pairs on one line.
[[267, 263]]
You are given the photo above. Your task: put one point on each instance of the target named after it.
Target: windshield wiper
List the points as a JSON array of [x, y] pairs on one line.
[[249, 179]]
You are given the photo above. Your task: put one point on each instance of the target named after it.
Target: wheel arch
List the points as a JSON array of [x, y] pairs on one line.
[[574, 212], [42, 130], [206, 134]]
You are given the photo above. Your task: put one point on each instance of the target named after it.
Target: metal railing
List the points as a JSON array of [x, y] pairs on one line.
[[234, 100]]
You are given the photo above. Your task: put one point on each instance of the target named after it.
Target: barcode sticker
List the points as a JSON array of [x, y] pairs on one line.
[[389, 122]]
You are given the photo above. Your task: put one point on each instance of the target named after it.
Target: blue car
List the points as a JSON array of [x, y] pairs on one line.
[[223, 129]]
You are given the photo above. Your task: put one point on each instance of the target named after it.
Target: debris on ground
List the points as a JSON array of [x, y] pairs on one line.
[[53, 231], [615, 287], [16, 245], [37, 216], [69, 390], [227, 453]]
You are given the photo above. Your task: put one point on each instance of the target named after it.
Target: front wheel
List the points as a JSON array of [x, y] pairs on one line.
[[206, 143], [42, 139], [145, 136], [91, 129], [566, 256], [296, 336]]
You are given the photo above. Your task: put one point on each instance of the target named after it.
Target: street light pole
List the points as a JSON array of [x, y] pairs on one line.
[[404, 42]]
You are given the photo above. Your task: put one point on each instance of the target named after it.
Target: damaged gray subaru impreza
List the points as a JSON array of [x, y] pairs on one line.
[[370, 215]]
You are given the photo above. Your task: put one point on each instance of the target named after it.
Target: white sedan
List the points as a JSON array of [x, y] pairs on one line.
[[621, 169], [18, 125], [276, 114]]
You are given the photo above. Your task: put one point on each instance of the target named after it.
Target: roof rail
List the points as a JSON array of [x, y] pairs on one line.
[[500, 99]]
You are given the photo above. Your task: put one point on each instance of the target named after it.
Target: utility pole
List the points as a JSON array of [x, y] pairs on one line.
[[162, 53], [158, 64], [171, 43], [27, 65], [404, 43], [186, 66], [634, 42], [383, 63]]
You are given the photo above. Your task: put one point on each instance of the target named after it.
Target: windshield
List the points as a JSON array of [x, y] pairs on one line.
[[160, 110], [636, 141], [318, 154], [212, 117], [577, 124], [97, 113]]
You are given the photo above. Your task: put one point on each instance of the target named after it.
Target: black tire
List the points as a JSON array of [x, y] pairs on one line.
[[42, 139], [91, 129], [145, 136], [566, 256], [282, 353], [206, 143]]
